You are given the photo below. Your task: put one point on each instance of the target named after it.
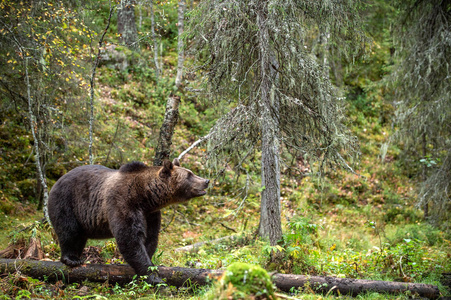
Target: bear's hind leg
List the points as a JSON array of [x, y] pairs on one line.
[[72, 249]]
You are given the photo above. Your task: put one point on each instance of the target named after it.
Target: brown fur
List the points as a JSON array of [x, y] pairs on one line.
[[95, 202]]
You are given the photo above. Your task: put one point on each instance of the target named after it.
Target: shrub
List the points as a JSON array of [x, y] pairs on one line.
[[243, 281]]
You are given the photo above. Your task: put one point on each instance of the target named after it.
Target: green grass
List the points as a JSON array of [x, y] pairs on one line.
[[335, 240]]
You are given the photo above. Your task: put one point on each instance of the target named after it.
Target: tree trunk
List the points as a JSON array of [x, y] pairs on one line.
[[353, 287], [324, 51], [270, 218], [126, 24], [41, 137], [171, 117], [140, 19], [92, 84], [177, 276], [34, 127], [155, 43], [171, 114], [424, 175], [181, 58], [39, 187]]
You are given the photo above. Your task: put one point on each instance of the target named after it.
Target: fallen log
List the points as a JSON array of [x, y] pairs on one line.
[[53, 271], [177, 276]]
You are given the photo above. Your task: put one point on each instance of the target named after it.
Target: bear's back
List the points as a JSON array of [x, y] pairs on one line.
[[82, 179], [80, 193], [133, 167]]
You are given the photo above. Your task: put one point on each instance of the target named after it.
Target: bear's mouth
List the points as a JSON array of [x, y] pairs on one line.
[[200, 192]]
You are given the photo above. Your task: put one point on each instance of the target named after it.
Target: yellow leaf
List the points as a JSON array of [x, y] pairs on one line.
[[279, 248]]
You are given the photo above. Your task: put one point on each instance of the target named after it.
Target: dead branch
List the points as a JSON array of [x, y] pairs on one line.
[[194, 145]]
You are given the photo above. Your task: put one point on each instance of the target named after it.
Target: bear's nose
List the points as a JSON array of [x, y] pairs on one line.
[[207, 181]]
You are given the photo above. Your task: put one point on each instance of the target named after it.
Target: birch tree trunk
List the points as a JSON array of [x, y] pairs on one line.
[[39, 187], [424, 174], [181, 58], [324, 41], [34, 126], [155, 42], [41, 138], [140, 19], [270, 219]]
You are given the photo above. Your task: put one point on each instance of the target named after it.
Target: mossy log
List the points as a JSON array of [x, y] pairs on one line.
[[177, 276], [54, 271]]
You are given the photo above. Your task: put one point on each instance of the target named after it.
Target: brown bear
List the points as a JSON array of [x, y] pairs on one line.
[[95, 202]]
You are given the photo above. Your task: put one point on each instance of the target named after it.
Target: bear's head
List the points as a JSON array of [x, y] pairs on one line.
[[184, 183]]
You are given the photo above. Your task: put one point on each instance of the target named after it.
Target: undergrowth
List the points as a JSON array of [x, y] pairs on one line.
[[362, 225]]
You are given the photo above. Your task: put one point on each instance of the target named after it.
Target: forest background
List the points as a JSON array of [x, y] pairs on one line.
[[385, 217]]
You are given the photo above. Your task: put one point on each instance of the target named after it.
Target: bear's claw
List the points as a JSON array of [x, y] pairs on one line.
[[154, 280], [71, 261]]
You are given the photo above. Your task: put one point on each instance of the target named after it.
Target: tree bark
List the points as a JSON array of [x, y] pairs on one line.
[[353, 287], [41, 138], [34, 127], [155, 42], [181, 57], [140, 19], [171, 114], [324, 51], [126, 24], [424, 175], [177, 276], [171, 117], [270, 218], [39, 195], [92, 84]]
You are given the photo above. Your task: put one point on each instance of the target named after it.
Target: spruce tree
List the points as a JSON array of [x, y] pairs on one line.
[[255, 56]]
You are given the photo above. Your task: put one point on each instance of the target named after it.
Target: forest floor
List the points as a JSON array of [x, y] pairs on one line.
[[353, 241]]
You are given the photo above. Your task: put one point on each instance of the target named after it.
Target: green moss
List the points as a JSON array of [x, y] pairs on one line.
[[244, 281]]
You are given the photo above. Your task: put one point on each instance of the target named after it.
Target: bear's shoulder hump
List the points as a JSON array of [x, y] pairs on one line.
[[132, 167]]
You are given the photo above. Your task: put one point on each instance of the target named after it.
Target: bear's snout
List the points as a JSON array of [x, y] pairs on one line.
[[200, 186], [206, 182]]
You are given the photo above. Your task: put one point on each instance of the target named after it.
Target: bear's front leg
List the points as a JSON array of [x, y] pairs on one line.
[[130, 237], [153, 230]]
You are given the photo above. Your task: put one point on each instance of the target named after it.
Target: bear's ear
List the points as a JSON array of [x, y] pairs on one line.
[[176, 162], [165, 172]]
